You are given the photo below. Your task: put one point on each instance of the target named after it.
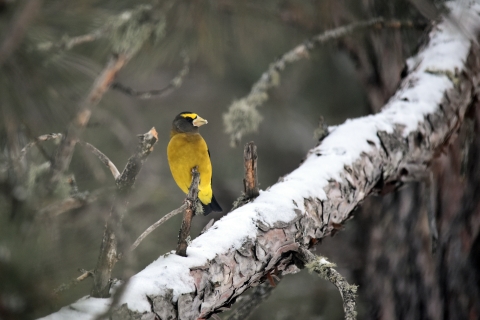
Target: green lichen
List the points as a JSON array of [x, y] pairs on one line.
[[242, 118]]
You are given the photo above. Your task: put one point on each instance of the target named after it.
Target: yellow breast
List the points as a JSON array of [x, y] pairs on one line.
[[185, 151]]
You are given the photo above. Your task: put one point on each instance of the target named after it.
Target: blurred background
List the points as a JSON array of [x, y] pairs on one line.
[[229, 44]]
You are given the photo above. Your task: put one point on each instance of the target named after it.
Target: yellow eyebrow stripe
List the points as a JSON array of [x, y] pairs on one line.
[[189, 115]]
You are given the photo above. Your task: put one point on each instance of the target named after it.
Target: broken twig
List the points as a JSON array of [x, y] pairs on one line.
[[73, 282], [250, 182], [188, 214], [113, 241]]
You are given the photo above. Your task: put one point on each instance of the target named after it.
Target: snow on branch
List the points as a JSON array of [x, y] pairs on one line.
[[360, 157]]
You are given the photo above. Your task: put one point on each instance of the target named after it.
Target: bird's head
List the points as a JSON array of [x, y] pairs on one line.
[[188, 122]]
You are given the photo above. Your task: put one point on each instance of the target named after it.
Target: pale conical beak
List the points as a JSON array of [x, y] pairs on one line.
[[199, 121]]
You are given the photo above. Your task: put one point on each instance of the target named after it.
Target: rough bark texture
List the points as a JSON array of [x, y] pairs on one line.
[[399, 275], [250, 182], [400, 264], [188, 214], [380, 170]]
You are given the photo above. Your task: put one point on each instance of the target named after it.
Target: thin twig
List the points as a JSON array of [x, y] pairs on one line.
[[156, 225], [173, 84], [325, 269], [106, 161], [73, 282], [42, 138], [188, 214], [242, 116], [71, 203]]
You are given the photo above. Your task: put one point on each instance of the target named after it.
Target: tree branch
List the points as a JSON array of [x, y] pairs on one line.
[[42, 138], [129, 32], [326, 270], [127, 179], [173, 84], [243, 117], [71, 203], [157, 224], [250, 181], [191, 201], [100, 86], [106, 161], [65, 286], [113, 243]]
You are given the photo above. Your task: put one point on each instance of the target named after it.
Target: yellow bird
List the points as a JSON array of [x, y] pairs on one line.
[[186, 150]]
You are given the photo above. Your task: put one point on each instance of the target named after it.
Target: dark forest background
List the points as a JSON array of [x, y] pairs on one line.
[[229, 44]]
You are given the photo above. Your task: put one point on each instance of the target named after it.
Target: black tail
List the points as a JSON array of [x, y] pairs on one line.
[[211, 207]]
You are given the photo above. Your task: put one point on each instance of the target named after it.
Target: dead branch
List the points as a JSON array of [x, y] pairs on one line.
[[100, 86], [113, 243], [173, 84], [326, 270], [250, 181], [71, 203], [157, 224], [191, 206], [42, 138], [127, 179], [106, 161], [243, 117]]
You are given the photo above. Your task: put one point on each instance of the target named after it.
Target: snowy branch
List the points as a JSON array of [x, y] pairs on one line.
[[363, 156]]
